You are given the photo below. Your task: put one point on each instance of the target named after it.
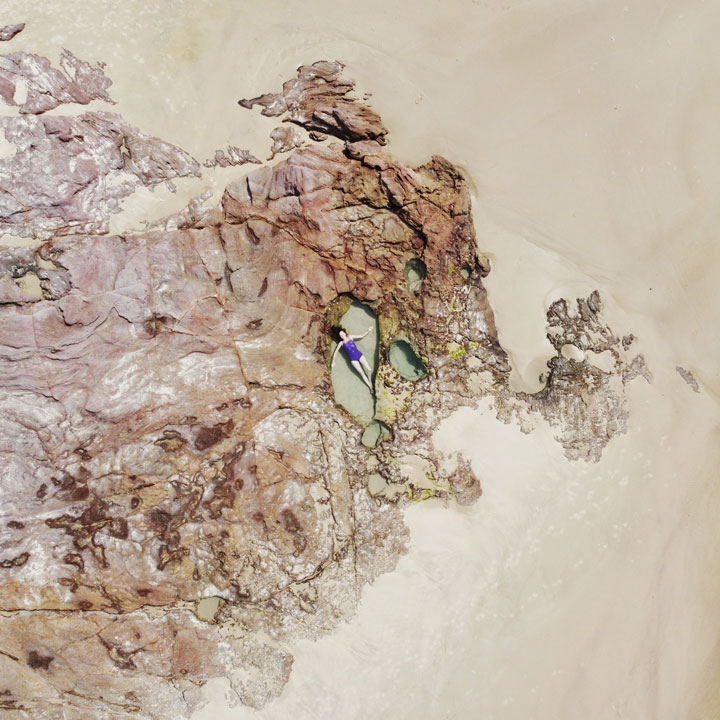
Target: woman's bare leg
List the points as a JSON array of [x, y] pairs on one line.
[[360, 370], [368, 370]]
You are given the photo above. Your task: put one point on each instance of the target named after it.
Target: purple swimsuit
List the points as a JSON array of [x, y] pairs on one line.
[[352, 350]]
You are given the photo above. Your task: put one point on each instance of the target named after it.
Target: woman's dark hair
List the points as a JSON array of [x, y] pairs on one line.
[[335, 333]]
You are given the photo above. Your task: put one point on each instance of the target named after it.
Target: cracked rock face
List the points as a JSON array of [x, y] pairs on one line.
[[168, 429], [69, 174], [31, 83], [319, 100]]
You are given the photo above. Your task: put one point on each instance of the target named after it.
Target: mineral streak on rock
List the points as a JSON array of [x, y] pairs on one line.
[[167, 425], [30, 82], [234, 156], [285, 139], [10, 31], [319, 100], [69, 173]]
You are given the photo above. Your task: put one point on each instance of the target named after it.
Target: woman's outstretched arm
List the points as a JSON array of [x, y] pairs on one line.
[[360, 337], [334, 355]]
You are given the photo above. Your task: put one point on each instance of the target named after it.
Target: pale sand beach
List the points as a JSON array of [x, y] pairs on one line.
[[589, 130]]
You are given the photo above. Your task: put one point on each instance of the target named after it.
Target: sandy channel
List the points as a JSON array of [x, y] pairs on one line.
[[589, 128]]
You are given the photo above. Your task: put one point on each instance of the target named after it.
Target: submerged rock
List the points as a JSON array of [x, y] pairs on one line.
[[405, 361], [415, 274], [375, 432], [376, 484]]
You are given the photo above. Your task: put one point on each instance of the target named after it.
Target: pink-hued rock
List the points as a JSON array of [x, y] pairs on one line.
[[319, 100], [234, 156], [69, 174], [8, 32], [284, 139], [171, 401], [44, 87]]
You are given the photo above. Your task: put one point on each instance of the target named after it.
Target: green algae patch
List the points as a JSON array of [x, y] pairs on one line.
[[455, 350], [375, 433], [415, 274], [389, 322], [350, 391], [337, 309], [405, 361]]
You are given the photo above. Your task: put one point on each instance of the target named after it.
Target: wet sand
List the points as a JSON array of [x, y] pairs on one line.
[[589, 130]]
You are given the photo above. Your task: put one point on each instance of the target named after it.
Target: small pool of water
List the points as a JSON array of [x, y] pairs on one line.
[[415, 274], [405, 361]]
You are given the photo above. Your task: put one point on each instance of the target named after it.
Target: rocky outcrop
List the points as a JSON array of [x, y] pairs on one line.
[[168, 428], [320, 100], [8, 32], [31, 83], [584, 395], [234, 156], [69, 174], [169, 399]]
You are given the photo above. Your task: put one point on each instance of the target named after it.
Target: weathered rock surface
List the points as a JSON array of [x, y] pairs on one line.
[[69, 174], [168, 426], [285, 139], [8, 32], [168, 429], [234, 156], [31, 83], [584, 395], [320, 100]]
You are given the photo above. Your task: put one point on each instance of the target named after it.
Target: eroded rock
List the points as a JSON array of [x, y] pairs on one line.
[[69, 174], [320, 100], [8, 32], [585, 402], [234, 156], [31, 83], [285, 139]]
